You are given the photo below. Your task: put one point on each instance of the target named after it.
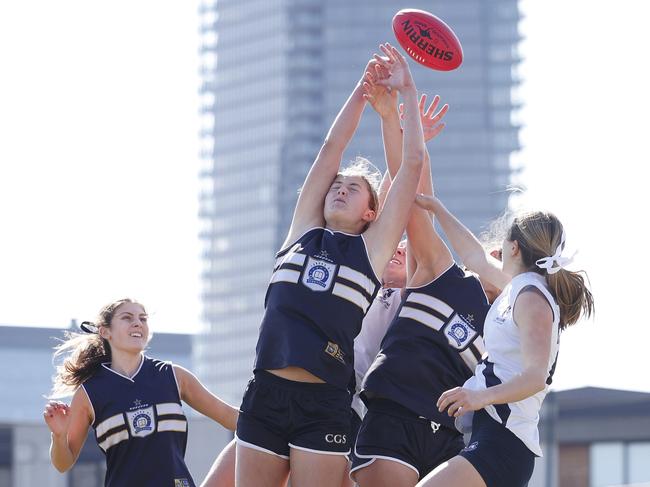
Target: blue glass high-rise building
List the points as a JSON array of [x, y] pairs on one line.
[[275, 73]]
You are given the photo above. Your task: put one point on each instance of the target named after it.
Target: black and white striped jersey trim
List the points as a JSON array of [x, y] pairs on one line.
[[168, 417]]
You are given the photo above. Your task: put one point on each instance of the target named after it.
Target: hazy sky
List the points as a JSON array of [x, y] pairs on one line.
[[99, 159], [99, 163]]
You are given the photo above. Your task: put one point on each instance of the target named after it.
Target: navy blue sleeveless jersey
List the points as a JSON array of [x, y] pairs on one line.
[[432, 345], [140, 426], [320, 290]]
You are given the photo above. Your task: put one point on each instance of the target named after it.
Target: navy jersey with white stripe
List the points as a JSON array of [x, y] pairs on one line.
[[320, 290], [432, 345], [140, 426]]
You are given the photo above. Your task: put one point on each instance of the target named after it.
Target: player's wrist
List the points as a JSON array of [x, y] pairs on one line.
[[408, 89], [389, 114], [60, 437], [486, 397]]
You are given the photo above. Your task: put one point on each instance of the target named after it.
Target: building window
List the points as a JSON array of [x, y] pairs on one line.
[[606, 464], [619, 464], [638, 455]]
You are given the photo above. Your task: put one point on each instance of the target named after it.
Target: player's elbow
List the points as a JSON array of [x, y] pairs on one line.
[[61, 461], [536, 381], [331, 144], [61, 467], [474, 260], [414, 158]]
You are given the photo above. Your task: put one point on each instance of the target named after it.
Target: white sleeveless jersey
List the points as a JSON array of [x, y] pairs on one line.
[[368, 341], [504, 361]]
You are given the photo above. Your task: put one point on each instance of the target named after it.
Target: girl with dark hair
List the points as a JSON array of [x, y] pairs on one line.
[[500, 403], [133, 402]]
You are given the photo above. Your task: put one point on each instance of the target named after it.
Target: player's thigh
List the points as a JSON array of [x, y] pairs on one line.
[[457, 471], [347, 481], [222, 472], [386, 473], [255, 468], [310, 469]]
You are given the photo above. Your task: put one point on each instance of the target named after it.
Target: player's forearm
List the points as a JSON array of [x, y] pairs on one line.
[[383, 189], [346, 122], [425, 186], [391, 132], [529, 382], [60, 454], [463, 241], [413, 145], [218, 410]]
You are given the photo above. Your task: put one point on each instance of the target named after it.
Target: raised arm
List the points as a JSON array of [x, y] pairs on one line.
[[384, 234], [202, 400], [384, 102], [428, 254], [465, 244], [309, 208], [428, 249], [69, 429], [383, 191]]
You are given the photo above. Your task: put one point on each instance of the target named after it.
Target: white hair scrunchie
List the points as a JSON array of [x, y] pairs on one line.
[[555, 262]]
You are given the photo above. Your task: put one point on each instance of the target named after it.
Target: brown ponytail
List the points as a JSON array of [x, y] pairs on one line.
[[85, 352], [539, 234]]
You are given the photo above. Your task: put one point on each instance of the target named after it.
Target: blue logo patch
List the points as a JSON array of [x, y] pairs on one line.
[[460, 334], [141, 421], [318, 275]]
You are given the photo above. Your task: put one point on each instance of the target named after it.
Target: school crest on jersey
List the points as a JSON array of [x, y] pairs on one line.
[[318, 274], [141, 421], [460, 334], [181, 483]]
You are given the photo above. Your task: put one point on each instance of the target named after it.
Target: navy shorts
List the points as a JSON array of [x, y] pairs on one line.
[[355, 425], [390, 431], [497, 454], [277, 414]]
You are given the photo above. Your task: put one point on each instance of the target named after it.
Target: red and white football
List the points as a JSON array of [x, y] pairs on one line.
[[427, 39]]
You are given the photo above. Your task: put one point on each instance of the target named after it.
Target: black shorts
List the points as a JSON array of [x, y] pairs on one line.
[[501, 458], [355, 425], [277, 414], [390, 431]]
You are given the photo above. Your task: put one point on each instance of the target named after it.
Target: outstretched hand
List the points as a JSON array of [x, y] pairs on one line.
[[399, 75], [57, 417], [431, 125], [382, 99]]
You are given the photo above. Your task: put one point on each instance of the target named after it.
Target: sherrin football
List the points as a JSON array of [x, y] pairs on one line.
[[427, 39]]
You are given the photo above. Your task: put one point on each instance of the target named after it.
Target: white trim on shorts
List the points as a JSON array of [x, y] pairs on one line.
[[379, 457], [359, 467], [258, 448], [322, 452]]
